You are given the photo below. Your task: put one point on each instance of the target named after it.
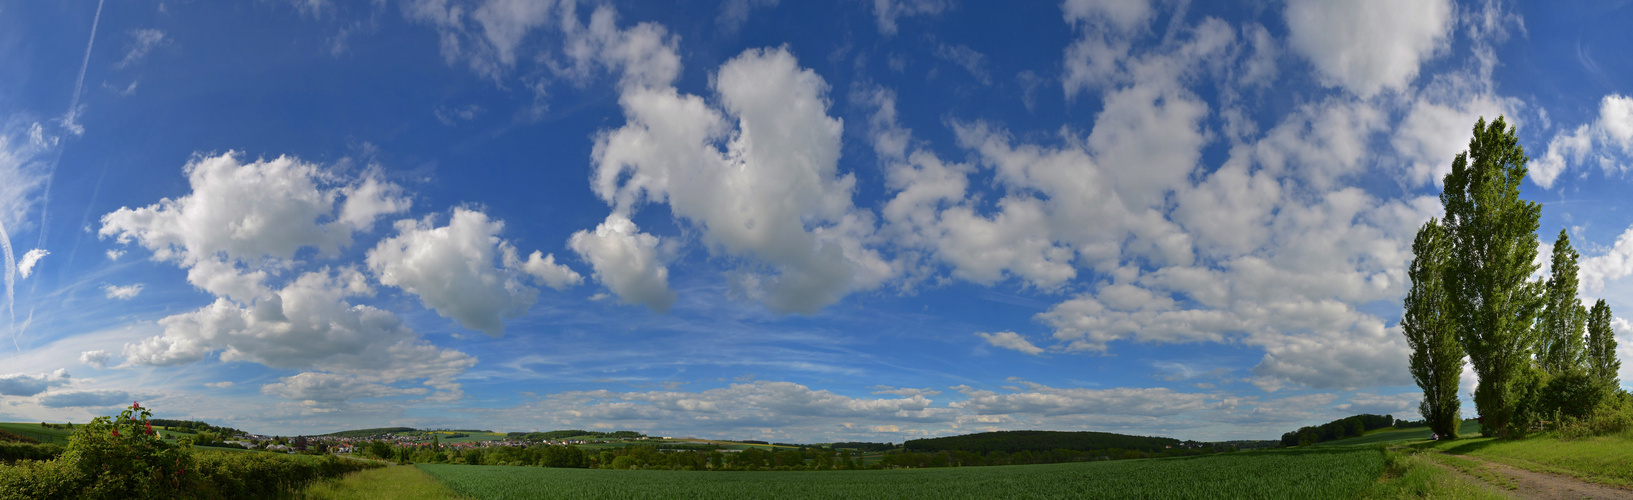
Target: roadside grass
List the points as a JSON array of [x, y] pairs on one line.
[[1473, 468], [390, 483], [1600, 459], [1409, 473]]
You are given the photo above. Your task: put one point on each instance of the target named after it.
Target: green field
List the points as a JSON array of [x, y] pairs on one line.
[[1296, 473], [1469, 428]]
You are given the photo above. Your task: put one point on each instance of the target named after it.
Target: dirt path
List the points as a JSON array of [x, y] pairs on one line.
[[1548, 486]]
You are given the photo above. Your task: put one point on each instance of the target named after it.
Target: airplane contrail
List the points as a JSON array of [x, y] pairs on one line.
[[11, 280], [68, 123]]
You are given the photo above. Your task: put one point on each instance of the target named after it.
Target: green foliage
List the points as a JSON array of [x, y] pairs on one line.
[[1493, 232], [380, 450], [1318, 473], [1014, 441], [1431, 330], [1613, 415], [1573, 394], [1559, 343]]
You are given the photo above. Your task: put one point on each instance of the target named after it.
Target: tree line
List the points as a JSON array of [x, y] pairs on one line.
[[571, 433], [1540, 355]]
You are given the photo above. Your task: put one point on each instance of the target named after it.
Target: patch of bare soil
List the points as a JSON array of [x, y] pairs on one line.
[[1550, 486]]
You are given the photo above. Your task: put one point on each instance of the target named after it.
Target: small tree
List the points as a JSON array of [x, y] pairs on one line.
[[1431, 330]]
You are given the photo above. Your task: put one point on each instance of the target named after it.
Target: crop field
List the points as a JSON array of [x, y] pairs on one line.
[[1301, 473], [37, 433]]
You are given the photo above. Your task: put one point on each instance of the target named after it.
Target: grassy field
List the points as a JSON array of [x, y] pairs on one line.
[[1469, 428], [1305, 473], [1601, 459]]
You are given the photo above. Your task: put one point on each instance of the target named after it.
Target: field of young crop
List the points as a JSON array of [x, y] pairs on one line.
[[1298, 473]]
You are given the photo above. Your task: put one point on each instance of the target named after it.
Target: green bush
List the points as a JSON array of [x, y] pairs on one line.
[[1574, 394], [1613, 415]]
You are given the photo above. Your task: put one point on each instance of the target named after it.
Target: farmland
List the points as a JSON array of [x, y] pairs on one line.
[[1303, 473]]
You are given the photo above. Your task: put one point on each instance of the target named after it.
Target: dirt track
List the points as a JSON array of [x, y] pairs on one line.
[[1548, 486]]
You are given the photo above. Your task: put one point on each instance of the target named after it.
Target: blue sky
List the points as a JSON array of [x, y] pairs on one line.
[[806, 221]]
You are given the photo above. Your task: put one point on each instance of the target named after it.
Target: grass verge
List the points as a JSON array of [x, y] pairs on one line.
[[1409, 473], [390, 483]]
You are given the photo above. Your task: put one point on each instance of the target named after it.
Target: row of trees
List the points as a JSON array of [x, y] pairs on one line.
[[1472, 297]]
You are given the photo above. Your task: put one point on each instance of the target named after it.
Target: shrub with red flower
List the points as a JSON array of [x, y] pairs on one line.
[[125, 457]]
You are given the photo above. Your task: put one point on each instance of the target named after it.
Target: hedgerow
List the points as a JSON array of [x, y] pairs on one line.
[[123, 457]]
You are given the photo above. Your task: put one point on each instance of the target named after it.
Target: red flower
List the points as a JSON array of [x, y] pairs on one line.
[[135, 405], [149, 427], [116, 433]]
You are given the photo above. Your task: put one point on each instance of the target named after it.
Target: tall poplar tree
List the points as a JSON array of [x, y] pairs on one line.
[[1559, 347], [1431, 330], [1494, 233], [1602, 362]]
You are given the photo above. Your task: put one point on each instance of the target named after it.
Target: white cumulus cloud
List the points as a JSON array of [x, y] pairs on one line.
[[1367, 47], [464, 270]]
